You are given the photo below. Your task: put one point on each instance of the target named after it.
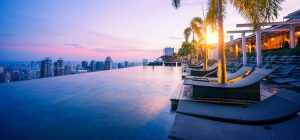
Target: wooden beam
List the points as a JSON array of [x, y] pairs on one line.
[[276, 30], [240, 31], [270, 24], [296, 16]]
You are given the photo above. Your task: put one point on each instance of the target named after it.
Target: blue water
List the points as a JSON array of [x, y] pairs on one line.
[[130, 103]]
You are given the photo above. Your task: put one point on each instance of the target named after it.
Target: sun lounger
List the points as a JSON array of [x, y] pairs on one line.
[[266, 59], [194, 128], [284, 72], [295, 84], [291, 59], [275, 108], [196, 66], [273, 59], [231, 77], [286, 80], [246, 89], [281, 60], [197, 72]]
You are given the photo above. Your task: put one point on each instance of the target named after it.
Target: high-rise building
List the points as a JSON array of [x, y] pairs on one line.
[[120, 66], [59, 67], [132, 64], [85, 65], [99, 66], [93, 66], [68, 69], [46, 68], [1, 69], [168, 51], [15, 75], [34, 74], [145, 62], [5, 77], [25, 74], [108, 64], [126, 64]]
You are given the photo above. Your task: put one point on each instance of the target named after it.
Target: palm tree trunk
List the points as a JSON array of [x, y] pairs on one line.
[[205, 63], [193, 42], [222, 77]]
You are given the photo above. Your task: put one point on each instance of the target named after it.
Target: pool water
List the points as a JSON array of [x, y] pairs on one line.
[[130, 103]]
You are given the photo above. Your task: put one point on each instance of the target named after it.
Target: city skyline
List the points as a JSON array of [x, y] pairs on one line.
[[47, 67], [31, 30]]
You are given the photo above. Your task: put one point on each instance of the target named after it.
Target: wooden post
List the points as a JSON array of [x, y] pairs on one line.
[[244, 49], [258, 49], [292, 37]]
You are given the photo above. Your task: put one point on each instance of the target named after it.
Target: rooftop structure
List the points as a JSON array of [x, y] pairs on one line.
[[280, 35], [168, 51], [59, 67], [108, 64], [46, 68]]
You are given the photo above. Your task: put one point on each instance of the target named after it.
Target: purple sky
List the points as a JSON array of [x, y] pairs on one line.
[[93, 29]]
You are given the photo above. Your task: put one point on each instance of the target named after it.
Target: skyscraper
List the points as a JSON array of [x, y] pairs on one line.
[[126, 64], [120, 66], [5, 77], [99, 66], [15, 75], [68, 69], [59, 67], [85, 65], [145, 62], [108, 64], [93, 66], [1, 69], [46, 68]]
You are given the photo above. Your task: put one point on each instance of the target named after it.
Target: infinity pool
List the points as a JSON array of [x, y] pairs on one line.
[[130, 103]]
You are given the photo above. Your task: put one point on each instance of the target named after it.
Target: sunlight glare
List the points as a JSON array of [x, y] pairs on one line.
[[212, 37]]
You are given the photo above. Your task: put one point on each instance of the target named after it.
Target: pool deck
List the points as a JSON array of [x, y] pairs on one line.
[[184, 92], [187, 126]]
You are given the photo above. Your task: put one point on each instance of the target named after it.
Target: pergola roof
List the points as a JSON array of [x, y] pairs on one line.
[[275, 29], [295, 14]]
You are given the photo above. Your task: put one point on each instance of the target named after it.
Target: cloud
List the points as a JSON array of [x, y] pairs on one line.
[[175, 38], [74, 45], [124, 50], [195, 2]]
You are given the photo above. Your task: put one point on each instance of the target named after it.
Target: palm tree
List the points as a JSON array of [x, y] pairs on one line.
[[197, 27], [257, 12], [205, 49], [187, 33]]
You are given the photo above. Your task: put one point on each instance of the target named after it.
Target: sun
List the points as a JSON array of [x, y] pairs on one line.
[[212, 36]]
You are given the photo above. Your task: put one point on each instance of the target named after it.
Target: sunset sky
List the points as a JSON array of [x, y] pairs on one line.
[[93, 29]]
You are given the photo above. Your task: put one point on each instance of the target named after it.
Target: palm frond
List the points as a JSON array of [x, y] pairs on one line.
[[258, 12], [212, 13], [187, 33], [176, 3], [197, 25]]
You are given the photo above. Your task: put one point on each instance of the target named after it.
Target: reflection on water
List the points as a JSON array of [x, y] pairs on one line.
[[128, 103]]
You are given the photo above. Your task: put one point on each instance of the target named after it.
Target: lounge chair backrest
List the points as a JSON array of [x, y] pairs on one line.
[[215, 65], [291, 59], [274, 58], [267, 58], [257, 75], [282, 59], [287, 70], [242, 71]]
